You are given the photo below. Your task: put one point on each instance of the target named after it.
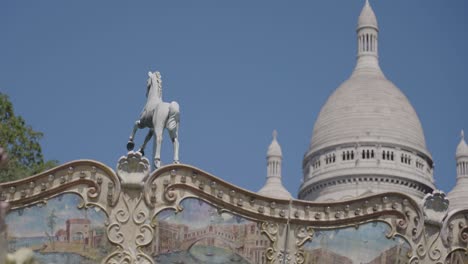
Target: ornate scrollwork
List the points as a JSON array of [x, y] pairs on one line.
[[421, 250], [456, 223], [271, 231], [83, 176], [133, 169], [119, 257], [174, 183], [435, 207], [414, 260], [114, 234], [130, 236], [457, 256], [284, 257], [145, 236], [434, 252], [170, 195], [304, 234], [463, 235], [134, 197]]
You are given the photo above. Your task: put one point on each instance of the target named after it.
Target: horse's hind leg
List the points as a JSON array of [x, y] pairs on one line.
[[175, 143], [131, 144], [158, 133], [147, 138]]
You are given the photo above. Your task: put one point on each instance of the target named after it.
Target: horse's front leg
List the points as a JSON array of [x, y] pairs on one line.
[[147, 138], [131, 144]]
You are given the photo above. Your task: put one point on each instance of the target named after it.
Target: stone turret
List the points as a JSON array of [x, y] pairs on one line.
[[367, 42], [273, 186], [458, 197]]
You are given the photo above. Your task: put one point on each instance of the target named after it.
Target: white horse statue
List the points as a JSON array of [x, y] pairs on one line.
[[156, 116]]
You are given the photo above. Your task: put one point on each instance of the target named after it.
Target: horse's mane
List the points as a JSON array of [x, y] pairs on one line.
[[159, 83]]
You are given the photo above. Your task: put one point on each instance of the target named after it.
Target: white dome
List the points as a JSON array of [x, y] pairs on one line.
[[367, 137], [368, 107]]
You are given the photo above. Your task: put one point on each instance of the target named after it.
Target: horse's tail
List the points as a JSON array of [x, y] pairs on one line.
[[174, 108], [173, 118]]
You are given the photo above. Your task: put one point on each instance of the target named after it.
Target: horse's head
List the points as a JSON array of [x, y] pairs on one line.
[[154, 80]]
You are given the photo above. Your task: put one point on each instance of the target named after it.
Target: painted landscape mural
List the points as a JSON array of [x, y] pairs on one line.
[[199, 234], [59, 232], [364, 244]]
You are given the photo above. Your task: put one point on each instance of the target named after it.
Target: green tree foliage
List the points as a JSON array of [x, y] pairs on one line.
[[21, 143]]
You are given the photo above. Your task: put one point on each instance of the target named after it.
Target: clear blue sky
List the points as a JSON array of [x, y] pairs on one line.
[[77, 70]]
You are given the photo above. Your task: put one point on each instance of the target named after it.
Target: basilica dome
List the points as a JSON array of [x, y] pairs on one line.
[[367, 138], [368, 107]]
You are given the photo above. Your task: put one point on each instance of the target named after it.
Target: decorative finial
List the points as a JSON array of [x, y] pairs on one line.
[[275, 134], [462, 134]]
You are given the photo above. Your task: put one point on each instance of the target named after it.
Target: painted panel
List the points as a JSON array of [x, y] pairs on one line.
[[363, 244], [202, 234], [59, 232]]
